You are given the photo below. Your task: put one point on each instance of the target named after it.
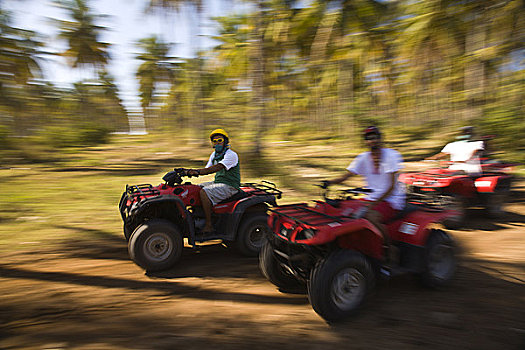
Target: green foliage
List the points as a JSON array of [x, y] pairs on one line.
[[4, 135], [416, 132], [85, 134], [319, 71], [507, 126]]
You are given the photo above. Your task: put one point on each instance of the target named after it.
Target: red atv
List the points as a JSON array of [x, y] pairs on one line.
[[336, 258], [157, 218], [453, 189]]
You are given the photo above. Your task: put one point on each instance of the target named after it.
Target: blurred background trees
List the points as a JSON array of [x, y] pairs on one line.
[[285, 69]]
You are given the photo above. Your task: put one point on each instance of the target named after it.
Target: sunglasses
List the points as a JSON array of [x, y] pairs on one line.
[[217, 140], [370, 137]]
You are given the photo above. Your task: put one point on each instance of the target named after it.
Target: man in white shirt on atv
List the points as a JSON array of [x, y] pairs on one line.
[[380, 167], [464, 153]]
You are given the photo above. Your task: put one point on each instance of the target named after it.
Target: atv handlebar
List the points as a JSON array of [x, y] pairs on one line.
[[349, 191], [175, 176]]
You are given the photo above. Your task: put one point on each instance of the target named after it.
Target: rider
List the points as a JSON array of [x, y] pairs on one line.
[[464, 153], [380, 167], [225, 164]]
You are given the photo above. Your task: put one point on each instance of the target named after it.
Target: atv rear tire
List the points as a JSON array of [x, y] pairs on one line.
[[439, 261], [156, 245], [340, 284], [496, 203], [278, 274], [252, 233]]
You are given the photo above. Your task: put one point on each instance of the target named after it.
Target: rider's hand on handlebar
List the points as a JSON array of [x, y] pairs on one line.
[[359, 213], [325, 184], [192, 172]]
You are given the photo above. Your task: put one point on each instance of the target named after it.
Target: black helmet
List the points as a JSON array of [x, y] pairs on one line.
[[466, 133], [372, 130]]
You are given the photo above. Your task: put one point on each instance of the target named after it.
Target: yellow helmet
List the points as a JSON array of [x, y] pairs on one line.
[[219, 131]]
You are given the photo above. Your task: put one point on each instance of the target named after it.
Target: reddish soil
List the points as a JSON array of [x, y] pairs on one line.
[[89, 295]]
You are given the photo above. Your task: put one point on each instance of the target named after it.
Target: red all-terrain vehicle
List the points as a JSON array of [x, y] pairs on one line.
[[447, 188], [336, 258], [158, 218]]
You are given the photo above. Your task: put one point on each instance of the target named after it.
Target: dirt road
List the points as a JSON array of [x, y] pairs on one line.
[[89, 295]]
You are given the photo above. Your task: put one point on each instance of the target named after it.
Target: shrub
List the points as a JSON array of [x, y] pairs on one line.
[[78, 135]]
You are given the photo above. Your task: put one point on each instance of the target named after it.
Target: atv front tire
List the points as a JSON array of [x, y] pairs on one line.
[[251, 235], [156, 245], [277, 274], [459, 205], [127, 232], [439, 261], [340, 284]]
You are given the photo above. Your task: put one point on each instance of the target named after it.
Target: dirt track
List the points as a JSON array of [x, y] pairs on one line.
[[89, 295]]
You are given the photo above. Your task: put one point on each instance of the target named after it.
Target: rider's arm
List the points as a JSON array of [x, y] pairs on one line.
[[205, 171], [439, 155], [212, 169], [341, 178]]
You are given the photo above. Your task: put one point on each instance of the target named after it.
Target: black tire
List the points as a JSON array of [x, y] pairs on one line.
[[277, 274], [252, 233], [127, 232], [340, 284], [156, 245], [495, 204], [439, 260], [458, 204]]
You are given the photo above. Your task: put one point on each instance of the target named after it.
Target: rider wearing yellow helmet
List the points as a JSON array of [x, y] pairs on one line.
[[224, 162]]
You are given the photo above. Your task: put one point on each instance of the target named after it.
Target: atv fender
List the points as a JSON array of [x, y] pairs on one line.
[[241, 207], [359, 235], [463, 186], [414, 228], [172, 207], [491, 184]]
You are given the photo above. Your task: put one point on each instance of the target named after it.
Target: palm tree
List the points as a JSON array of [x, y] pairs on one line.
[[112, 104], [431, 39], [82, 36], [339, 38], [18, 65], [18, 51], [156, 67], [176, 5]]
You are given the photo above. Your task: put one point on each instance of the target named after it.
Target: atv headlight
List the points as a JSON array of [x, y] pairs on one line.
[[284, 231], [308, 233]]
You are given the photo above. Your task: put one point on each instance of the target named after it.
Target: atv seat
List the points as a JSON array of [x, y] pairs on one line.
[[235, 197]]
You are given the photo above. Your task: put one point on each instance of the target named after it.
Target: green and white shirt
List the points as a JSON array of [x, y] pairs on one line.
[[231, 174]]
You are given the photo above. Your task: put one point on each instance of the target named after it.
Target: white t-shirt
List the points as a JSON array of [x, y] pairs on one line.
[[230, 159], [465, 152], [391, 161]]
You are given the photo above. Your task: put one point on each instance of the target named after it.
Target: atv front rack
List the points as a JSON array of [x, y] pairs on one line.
[[135, 191], [143, 190], [303, 214]]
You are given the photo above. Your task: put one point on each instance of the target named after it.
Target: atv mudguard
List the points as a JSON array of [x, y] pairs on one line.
[[232, 220], [360, 235], [173, 206], [414, 228], [493, 183]]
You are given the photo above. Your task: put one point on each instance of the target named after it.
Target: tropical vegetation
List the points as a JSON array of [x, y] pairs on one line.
[[284, 69]]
